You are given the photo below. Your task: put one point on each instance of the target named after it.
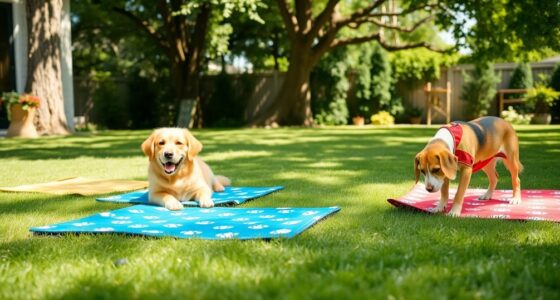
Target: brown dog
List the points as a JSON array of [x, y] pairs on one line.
[[175, 172], [467, 148]]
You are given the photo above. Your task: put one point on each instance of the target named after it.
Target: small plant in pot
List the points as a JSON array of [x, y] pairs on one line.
[[541, 98], [359, 119], [414, 114], [21, 112]]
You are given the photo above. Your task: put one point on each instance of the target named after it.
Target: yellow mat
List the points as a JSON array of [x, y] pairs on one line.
[[80, 186]]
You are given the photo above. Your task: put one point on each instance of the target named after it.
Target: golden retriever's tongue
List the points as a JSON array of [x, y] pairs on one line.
[[169, 167]]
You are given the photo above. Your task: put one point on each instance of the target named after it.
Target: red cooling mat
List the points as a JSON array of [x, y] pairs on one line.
[[535, 204]]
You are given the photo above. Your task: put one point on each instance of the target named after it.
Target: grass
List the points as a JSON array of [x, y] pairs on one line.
[[368, 250]]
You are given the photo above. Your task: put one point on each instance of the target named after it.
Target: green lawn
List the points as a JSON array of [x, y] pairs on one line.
[[367, 250]]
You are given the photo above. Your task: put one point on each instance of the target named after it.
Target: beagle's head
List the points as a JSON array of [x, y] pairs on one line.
[[435, 163], [170, 148]]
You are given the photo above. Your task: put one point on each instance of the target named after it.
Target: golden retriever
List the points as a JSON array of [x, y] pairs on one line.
[[175, 172]]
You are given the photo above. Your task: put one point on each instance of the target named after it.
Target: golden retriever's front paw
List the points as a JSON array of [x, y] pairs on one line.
[[455, 211], [206, 203], [173, 205]]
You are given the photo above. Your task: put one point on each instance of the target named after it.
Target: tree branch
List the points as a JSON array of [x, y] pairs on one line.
[[382, 43], [323, 17], [144, 26], [288, 18], [389, 26]]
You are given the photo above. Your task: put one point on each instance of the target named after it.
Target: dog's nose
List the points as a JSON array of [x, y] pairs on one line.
[[168, 154], [430, 188]]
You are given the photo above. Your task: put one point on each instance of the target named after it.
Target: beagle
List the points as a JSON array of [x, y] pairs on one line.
[[468, 147]]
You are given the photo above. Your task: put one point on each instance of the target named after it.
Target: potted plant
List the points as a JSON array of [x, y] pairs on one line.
[[541, 98], [21, 112], [414, 114], [359, 119]]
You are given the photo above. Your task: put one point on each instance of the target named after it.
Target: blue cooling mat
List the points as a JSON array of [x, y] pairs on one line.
[[230, 196], [213, 224]]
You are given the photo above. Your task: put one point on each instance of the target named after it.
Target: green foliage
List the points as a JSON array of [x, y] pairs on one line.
[[555, 84], [541, 98], [381, 79], [382, 118], [329, 89], [479, 89], [522, 77], [413, 111], [416, 66], [512, 116], [555, 78], [504, 29]]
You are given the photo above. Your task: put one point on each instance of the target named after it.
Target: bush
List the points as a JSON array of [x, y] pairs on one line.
[[555, 84], [522, 78], [382, 118], [541, 98], [329, 89], [514, 117], [479, 89]]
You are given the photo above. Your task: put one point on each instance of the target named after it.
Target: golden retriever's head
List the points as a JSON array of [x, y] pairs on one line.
[[436, 163], [171, 148]]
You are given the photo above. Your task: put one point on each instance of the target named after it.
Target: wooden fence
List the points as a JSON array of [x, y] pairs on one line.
[[266, 87], [454, 75]]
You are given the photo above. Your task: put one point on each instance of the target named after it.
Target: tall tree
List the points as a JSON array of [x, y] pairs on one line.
[[312, 35], [44, 77], [180, 29]]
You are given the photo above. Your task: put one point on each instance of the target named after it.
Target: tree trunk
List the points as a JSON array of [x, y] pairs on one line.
[[44, 77], [292, 105]]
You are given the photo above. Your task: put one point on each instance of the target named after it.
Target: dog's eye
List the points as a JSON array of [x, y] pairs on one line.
[[162, 142], [178, 143], [435, 170]]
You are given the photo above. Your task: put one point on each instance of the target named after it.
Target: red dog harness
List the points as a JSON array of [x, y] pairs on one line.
[[464, 157]]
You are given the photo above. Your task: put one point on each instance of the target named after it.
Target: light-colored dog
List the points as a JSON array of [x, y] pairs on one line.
[[468, 147], [175, 172]]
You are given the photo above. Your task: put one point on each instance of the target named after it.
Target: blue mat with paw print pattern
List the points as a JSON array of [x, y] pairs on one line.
[[230, 196], [212, 224]]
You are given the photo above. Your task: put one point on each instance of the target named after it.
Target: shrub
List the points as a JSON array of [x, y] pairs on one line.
[[522, 78], [382, 118], [479, 89], [512, 116], [555, 84], [329, 89], [541, 98]]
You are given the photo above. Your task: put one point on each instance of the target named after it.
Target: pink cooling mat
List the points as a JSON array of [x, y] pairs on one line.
[[535, 204]]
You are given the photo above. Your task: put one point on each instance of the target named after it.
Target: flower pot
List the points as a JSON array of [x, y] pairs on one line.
[[358, 121], [21, 124], [541, 119], [415, 120]]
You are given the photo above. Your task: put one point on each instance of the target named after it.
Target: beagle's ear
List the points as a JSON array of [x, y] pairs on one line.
[[449, 164], [194, 145], [148, 146], [416, 164]]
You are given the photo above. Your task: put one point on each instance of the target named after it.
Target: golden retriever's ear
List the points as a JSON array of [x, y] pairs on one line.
[[449, 164], [148, 146], [194, 145], [416, 170]]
